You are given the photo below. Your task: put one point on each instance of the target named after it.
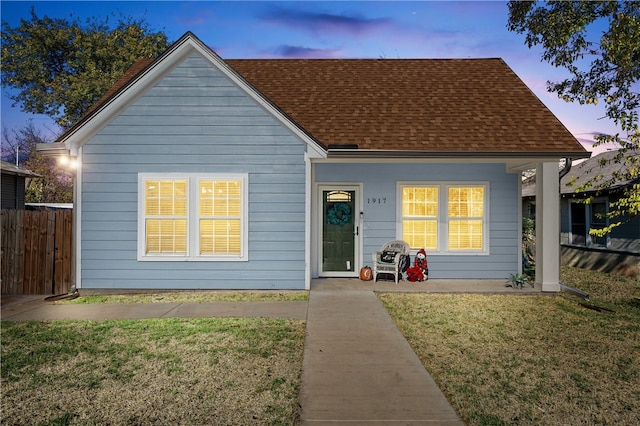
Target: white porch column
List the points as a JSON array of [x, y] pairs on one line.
[[547, 227]]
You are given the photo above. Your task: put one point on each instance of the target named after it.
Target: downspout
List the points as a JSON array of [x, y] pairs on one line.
[[566, 169], [563, 287]]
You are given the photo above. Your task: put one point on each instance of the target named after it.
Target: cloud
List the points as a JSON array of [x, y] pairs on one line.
[[323, 23], [589, 138], [191, 15], [588, 144], [288, 51], [585, 141]]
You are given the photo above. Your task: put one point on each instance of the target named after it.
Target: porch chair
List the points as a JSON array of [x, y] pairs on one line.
[[387, 260]]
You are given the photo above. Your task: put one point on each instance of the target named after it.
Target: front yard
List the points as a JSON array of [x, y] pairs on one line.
[[534, 360], [151, 372], [499, 359]]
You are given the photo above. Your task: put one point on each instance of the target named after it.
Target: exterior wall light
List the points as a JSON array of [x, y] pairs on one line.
[[68, 162]]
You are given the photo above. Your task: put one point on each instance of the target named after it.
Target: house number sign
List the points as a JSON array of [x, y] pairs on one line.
[[377, 200]]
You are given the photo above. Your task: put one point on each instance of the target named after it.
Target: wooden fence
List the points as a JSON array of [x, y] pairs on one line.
[[37, 252]]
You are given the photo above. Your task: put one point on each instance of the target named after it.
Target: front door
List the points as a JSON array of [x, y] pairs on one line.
[[340, 231]]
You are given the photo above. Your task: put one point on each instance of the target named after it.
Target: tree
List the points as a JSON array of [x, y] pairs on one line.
[[55, 184], [605, 70], [61, 67]]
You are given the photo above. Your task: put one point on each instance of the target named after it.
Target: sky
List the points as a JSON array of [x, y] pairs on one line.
[[332, 29]]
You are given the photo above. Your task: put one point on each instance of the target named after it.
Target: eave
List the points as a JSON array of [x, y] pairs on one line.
[[54, 149], [534, 156]]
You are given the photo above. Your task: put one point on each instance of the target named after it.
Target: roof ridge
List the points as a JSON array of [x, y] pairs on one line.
[[363, 59]]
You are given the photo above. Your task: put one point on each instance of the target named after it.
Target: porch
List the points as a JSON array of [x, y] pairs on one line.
[[429, 286]]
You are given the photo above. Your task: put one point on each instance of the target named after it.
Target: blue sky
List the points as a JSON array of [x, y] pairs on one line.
[[334, 29]]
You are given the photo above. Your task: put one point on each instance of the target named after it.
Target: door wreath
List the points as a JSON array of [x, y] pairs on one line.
[[339, 214]]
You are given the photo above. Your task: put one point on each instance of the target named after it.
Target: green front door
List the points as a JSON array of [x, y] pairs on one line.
[[339, 232]]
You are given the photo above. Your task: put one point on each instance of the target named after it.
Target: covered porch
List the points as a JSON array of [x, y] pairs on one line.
[[429, 286]]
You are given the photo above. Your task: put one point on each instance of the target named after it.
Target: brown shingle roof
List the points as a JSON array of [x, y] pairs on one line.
[[463, 105], [431, 105]]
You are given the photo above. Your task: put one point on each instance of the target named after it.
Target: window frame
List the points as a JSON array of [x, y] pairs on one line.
[[587, 209], [193, 217], [443, 217]]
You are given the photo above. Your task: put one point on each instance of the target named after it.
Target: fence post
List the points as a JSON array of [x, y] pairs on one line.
[[8, 252], [50, 251]]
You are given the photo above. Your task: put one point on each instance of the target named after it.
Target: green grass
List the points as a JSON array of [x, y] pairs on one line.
[[499, 359], [159, 371], [535, 360], [190, 297]]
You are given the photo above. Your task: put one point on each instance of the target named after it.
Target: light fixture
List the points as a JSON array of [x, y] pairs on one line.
[[68, 162]]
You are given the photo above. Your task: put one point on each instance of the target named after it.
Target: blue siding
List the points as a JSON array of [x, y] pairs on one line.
[[380, 184], [194, 120]]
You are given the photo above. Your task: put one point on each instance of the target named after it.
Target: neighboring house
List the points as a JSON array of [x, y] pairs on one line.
[[49, 206], [13, 185], [198, 172], [578, 217]]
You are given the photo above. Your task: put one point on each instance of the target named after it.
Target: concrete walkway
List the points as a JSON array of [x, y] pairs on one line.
[[40, 310], [358, 369]]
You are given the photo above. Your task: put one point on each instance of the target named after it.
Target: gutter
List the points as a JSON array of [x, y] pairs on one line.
[[362, 153], [53, 149]]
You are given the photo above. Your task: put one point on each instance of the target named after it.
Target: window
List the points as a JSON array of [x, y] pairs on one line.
[[166, 216], [599, 220], [465, 214], [192, 217], [444, 217], [587, 216], [420, 216]]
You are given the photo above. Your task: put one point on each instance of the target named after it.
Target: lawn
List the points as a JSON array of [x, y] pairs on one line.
[[197, 296], [499, 359], [151, 372], [534, 360]]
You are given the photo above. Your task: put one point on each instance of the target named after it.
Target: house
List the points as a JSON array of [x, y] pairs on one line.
[[202, 173], [619, 250], [13, 185]]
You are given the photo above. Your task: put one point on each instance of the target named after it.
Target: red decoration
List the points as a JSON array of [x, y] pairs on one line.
[[419, 271]]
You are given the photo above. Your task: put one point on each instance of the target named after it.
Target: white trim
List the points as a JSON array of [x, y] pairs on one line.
[[515, 164], [520, 271], [77, 220], [192, 255], [307, 221], [442, 218], [358, 239]]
